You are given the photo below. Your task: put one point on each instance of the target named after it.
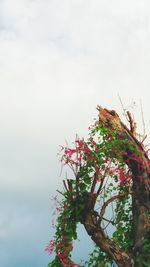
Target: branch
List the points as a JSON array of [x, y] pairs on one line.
[[96, 174], [107, 203], [132, 124], [98, 235], [101, 184], [110, 221], [77, 183], [102, 180], [60, 192], [64, 182]]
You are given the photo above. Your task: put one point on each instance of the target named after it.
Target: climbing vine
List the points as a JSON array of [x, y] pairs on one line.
[[102, 185]]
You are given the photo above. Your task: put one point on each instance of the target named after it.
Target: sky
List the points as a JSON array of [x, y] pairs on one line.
[[59, 59]]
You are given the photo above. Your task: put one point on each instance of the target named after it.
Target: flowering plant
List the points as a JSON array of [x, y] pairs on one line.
[[111, 172]]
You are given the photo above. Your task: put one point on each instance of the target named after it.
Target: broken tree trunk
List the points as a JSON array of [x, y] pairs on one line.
[[139, 164]]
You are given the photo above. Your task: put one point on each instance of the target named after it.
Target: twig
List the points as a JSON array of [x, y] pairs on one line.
[[60, 192], [65, 186], [104, 175], [77, 183], [61, 169], [96, 174], [124, 110], [107, 220], [143, 122], [107, 203]]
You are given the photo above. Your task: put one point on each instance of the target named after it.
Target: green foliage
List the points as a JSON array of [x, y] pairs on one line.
[[123, 234], [98, 258], [84, 159]]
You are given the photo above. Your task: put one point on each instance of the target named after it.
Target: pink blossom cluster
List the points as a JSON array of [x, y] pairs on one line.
[[75, 155], [50, 247], [63, 255]]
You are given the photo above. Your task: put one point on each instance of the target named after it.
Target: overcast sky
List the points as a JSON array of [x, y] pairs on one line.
[[58, 60]]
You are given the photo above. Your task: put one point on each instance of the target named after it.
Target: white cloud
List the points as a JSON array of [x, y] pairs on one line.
[[58, 60]]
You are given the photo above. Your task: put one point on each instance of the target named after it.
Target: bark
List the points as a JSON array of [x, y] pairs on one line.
[[99, 237], [140, 168]]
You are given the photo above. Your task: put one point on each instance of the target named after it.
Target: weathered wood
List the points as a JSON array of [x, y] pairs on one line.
[[99, 237], [140, 168]]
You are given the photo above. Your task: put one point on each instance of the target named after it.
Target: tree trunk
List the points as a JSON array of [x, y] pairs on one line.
[[140, 168]]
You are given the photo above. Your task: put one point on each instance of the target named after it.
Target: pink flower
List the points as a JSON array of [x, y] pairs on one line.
[[50, 247], [86, 149], [60, 256], [79, 157], [93, 142], [57, 210], [73, 264], [80, 143], [69, 152]]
